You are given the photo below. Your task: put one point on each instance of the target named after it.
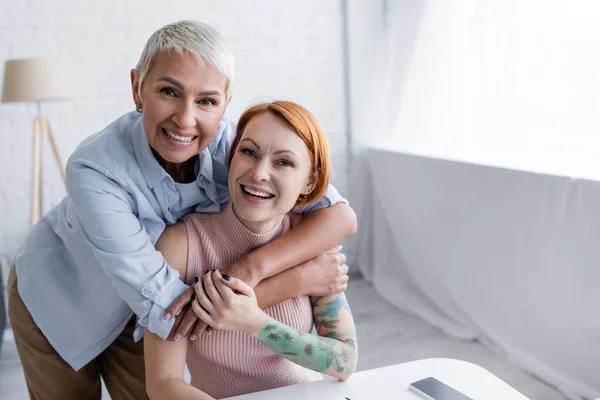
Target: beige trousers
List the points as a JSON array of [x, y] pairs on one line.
[[49, 377]]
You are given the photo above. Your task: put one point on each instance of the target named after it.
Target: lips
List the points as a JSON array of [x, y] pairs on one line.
[[257, 192], [178, 137]]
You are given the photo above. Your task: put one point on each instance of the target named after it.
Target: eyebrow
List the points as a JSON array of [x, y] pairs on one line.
[[179, 85], [277, 152]]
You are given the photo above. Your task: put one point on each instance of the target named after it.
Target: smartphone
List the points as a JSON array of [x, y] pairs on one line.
[[432, 389]]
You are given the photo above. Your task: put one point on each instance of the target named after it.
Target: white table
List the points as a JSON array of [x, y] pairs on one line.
[[392, 383]]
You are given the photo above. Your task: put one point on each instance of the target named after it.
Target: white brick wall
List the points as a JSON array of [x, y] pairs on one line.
[[284, 49]]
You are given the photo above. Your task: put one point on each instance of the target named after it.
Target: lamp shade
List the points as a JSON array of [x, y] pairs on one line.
[[34, 79]]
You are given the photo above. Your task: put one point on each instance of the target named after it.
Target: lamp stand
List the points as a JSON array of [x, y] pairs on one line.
[[41, 127]]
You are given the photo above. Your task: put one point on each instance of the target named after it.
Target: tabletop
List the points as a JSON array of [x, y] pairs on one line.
[[392, 383]]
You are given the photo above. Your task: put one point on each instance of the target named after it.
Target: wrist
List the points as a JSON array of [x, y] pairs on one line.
[[255, 324], [254, 269], [245, 270], [300, 285]]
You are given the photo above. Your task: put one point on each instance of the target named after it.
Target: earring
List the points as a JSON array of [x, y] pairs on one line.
[[138, 108], [305, 195]]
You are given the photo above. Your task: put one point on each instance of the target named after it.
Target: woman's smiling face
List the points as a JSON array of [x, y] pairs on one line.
[[270, 169], [183, 102]]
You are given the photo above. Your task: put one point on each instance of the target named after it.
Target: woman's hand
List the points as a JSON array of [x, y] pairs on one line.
[[227, 303], [188, 324], [324, 275]]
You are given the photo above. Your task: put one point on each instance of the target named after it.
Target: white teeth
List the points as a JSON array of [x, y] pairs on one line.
[[182, 139], [259, 194]]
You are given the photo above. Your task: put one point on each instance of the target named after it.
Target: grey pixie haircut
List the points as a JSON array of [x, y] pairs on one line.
[[201, 40]]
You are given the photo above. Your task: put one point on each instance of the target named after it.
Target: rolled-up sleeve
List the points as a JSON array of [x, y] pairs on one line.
[[122, 245], [331, 197]]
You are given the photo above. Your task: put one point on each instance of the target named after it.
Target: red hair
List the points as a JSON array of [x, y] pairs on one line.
[[306, 126]]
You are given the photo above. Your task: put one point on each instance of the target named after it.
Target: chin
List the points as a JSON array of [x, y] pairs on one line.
[[250, 216], [176, 157], [249, 213]]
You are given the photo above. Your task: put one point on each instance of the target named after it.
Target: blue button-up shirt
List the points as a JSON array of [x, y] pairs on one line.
[[91, 261]]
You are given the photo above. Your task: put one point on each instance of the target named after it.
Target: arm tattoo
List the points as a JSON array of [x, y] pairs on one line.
[[333, 352], [327, 313], [323, 354]]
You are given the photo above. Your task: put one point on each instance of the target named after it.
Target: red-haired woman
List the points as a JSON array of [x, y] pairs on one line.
[[279, 159]]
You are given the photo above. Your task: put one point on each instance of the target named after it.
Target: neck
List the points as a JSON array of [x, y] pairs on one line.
[[180, 172], [258, 227]]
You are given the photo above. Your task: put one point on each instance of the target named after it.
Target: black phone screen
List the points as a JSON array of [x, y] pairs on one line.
[[437, 390]]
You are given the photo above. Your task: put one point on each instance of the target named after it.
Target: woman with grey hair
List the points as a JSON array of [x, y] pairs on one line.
[[90, 264]]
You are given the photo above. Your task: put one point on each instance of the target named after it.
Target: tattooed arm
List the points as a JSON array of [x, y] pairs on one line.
[[333, 351]]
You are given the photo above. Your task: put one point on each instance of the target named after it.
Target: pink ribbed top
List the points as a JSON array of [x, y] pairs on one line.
[[231, 363]]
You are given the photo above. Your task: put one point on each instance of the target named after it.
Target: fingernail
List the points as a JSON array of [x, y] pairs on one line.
[[177, 337], [193, 337], [193, 297], [167, 316], [226, 277], [196, 279]]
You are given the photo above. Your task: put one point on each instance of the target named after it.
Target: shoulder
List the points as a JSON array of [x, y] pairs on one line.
[[199, 230], [173, 236], [173, 244], [199, 221], [106, 157], [110, 146], [187, 242]]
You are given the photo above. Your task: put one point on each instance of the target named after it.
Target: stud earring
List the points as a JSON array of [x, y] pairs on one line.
[[138, 108]]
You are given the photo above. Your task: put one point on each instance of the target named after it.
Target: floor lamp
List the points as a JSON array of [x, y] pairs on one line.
[[37, 79]]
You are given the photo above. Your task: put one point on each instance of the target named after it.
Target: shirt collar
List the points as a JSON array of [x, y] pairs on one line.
[[152, 171]]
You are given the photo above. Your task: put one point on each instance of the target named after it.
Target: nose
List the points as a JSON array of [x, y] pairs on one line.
[[261, 171], [185, 115]]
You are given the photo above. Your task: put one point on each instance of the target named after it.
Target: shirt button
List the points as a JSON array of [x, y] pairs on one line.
[[146, 292]]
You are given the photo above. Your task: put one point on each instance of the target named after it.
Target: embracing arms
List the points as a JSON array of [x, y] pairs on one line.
[[318, 232], [123, 244], [322, 275], [333, 351], [107, 214], [165, 359]]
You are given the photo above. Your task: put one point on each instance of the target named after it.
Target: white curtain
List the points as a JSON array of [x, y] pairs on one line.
[[511, 83], [505, 257], [379, 53]]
